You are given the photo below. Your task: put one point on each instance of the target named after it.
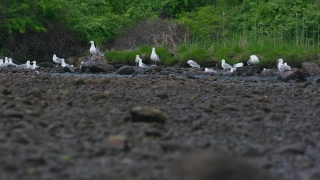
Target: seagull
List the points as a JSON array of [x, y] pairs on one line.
[[193, 64], [26, 65], [141, 64], [283, 66], [56, 59], [11, 63], [94, 51], [207, 70], [80, 65], [254, 60], [154, 57], [225, 65], [1, 62], [137, 60], [238, 65], [34, 65], [5, 63]]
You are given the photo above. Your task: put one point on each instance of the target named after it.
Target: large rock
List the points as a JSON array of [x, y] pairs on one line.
[[147, 114], [311, 68], [46, 65], [126, 70], [139, 70], [97, 66], [292, 75], [247, 70]]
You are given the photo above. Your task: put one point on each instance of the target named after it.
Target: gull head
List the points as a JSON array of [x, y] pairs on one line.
[[137, 56], [91, 42], [153, 49], [223, 61]]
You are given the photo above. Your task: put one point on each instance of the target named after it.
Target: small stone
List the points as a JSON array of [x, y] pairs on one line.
[[104, 81], [293, 148], [264, 99], [12, 113], [147, 114], [79, 82], [118, 142], [34, 93], [163, 96]]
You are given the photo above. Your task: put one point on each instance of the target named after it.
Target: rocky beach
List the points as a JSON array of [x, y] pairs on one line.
[[144, 127]]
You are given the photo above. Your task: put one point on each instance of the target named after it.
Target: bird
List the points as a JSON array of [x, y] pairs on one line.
[[141, 64], [1, 62], [254, 60], [193, 64], [56, 59], [283, 66], [207, 70], [238, 65], [81, 65], [34, 65], [225, 65], [94, 51], [26, 65], [137, 60], [11, 63], [154, 57]]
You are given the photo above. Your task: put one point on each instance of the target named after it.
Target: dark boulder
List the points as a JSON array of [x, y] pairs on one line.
[[125, 70], [97, 66], [294, 74], [311, 68], [46, 65], [247, 70]]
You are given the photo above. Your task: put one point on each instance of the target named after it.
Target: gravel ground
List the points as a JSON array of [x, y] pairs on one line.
[[81, 127]]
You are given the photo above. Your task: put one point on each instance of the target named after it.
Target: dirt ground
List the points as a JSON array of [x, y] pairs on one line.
[[80, 127]]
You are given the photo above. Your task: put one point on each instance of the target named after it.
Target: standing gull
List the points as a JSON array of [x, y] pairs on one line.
[[56, 59], [94, 51], [193, 64], [137, 60], [154, 57], [254, 60], [225, 65]]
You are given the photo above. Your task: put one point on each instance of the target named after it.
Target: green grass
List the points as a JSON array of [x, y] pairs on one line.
[[233, 50]]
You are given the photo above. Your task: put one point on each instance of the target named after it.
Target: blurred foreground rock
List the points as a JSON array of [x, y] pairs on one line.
[[215, 166]]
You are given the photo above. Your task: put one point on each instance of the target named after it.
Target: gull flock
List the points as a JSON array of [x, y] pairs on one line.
[[94, 52]]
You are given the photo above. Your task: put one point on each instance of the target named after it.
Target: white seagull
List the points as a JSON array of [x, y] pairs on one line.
[[11, 63], [254, 60], [207, 70], [225, 65], [1, 62], [154, 57], [56, 59], [94, 51], [26, 65], [34, 65], [238, 65], [141, 64], [137, 60], [193, 64], [283, 66]]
